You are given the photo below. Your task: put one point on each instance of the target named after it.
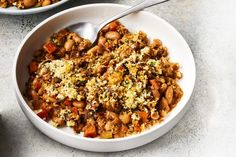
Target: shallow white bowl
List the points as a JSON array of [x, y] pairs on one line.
[[16, 11], [154, 26]]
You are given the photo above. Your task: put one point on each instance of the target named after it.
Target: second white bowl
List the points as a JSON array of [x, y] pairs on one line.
[[16, 11]]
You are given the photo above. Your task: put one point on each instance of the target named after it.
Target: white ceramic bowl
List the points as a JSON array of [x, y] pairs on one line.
[[154, 26], [16, 11]]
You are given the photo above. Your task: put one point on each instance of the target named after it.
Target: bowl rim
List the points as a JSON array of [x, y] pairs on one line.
[[35, 10], [49, 126]]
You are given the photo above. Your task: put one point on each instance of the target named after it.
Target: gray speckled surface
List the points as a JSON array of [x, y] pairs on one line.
[[208, 128]]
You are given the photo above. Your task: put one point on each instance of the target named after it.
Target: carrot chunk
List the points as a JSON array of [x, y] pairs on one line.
[[37, 85], [49, 47], [90, 131], [67, 102], [43, 114], [74, 110], [154, 84], [143, 115]]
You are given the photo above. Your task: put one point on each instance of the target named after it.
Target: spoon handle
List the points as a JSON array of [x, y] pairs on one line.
[[138, 7]]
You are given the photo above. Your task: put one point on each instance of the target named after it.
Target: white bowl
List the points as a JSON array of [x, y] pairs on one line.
[[154, 26], [16, 11]]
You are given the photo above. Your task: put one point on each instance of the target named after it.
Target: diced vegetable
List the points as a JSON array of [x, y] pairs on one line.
[[75, 110], [43, 114], [67, 102], [143, 115], [49, 47], [154, 84], [90, 131], [106, 134], [125, 118], [37, 85], [156, 93]]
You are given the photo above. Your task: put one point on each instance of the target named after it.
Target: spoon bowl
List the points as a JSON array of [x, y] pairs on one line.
[[86, 30], [89, 31]]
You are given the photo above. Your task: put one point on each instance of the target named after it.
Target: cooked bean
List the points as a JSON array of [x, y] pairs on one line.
[[84, 44], [164, 104], [169, 94], [113, 25], [109, 126], [29, 3], [93, 50], [175, 66], [178, 75], [163, 88], [157, 42], [51, 99], [163, 113], [69, 44], [125, 118], [76, 38], [156, 94], [101, 41], [3, 4], [154, 84], [169, 72], [79, 104], [113, 117], [59, 122], [112, 35], [155, 115], [46, 2], [112, 106]]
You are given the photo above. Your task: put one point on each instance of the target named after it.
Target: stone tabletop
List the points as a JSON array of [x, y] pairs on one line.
[[207, 129]]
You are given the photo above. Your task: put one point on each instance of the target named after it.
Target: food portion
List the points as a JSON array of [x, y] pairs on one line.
[[24, 4], [119, 87]]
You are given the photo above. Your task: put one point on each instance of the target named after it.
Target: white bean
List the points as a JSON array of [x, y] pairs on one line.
[[69, 44]]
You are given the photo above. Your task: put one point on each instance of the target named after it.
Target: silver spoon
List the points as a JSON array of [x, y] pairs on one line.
[[90, 31]]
